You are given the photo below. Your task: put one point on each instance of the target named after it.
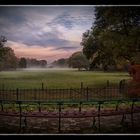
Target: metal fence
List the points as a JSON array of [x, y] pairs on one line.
[[71, 94], [58, 110], [67, 103]]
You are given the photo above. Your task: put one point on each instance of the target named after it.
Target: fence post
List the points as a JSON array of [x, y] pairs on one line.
[[59, 128], [117, 105], [132, 107], [17, 91], [93, 122], [80, 106], [3, 91], [81, 91], [99, 109], [87, 93], [39, 107], [70, 94], [122, 86], [20, 114]]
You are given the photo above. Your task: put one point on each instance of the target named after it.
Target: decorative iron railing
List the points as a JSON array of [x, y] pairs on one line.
[[71, 94], [67, 103]]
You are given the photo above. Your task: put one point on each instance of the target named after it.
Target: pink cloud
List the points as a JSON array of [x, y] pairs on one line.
[[48, 53]]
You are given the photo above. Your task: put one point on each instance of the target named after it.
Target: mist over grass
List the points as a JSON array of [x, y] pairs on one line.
[[58, 78], [45, 69]]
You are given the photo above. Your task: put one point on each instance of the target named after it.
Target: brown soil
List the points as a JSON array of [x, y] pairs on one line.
[[109, 125]]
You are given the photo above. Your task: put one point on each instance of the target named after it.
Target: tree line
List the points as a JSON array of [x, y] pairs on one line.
[[9, 61], [31, 62], [76, 60]]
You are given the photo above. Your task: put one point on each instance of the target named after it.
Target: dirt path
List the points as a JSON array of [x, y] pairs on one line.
[[111, 124]]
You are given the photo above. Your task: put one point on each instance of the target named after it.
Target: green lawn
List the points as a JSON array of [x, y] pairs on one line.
[[61, 78]]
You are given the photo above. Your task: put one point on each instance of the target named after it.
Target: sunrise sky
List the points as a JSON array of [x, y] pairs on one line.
[[45, 32]]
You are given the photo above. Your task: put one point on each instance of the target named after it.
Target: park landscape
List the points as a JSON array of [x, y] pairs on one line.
[[77, 74]]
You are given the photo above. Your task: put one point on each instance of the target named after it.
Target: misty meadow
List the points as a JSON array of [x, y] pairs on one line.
[[69, 69]]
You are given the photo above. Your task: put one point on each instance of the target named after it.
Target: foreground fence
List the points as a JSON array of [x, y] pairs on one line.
[[75, 94], [67, 103], [62, 110]]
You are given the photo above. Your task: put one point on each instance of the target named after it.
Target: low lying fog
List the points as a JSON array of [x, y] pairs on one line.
[[44, 69]]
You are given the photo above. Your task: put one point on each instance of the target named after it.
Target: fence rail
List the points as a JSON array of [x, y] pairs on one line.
[[71, 94], [39, 109]]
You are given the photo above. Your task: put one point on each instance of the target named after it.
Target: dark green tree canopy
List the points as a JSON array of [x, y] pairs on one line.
[[33, 62], [78, 60], [62, 62], [114, 35], [22, 62], [8, 60]]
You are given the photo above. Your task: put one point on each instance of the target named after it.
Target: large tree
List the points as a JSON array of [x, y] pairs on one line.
[[8, 60], [78, 60], [22, 62], [42, 63], [116, 31], [3, 51]]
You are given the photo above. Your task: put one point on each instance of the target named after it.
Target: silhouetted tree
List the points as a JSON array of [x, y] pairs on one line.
[[43, 63], [22, 62], [8, 60], [78, 60], [62, 62], [36, 63], [113, 36]]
